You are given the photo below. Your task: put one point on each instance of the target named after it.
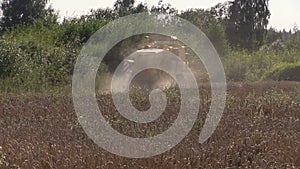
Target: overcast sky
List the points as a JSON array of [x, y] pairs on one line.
[[285, 13]]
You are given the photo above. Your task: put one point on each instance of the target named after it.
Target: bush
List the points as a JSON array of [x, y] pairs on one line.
[[217, 36], [79, 30], [32, 59], [246, 66], [236, 65], [30, 66], [8, 56], [285, 71]]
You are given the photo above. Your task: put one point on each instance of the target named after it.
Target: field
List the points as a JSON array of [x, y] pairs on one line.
[[260, 128]]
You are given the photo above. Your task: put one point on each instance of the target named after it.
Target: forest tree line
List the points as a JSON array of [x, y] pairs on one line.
[[38, 49]]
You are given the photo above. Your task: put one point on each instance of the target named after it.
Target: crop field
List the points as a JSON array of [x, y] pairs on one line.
[[260, 128]]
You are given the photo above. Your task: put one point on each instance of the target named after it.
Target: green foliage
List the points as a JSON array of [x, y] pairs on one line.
[[217, 36], [284, 71], [38, 56], [102, 14], [247, 23], [245, 66], [236, 65], [127, 7], [207, 23], [293, 42], [163, 8], [272, 36], [9, 53], [29, 66], [36, 52], [79, 30], [19, 12], [124, 7]]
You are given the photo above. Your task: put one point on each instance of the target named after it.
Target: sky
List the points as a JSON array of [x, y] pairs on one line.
[[284, 14]]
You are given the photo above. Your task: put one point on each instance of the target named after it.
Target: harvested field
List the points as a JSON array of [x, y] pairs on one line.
[[260, 128]]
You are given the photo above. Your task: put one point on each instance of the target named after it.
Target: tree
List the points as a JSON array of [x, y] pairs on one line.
[[163, 8], [272, 36], [220, 11], [17, 12], [106, 14], [292, 39], [210, 25], [141, 8], [126, 7], [199, 17], [247, 23]]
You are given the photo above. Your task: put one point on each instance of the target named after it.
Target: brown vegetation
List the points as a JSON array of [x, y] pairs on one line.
[[260, 128]]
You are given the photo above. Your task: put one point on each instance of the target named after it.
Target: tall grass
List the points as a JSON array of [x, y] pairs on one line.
[[245, 66]]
